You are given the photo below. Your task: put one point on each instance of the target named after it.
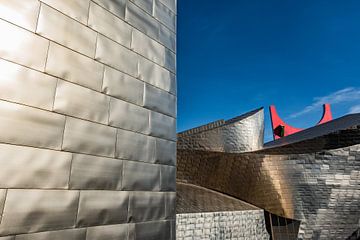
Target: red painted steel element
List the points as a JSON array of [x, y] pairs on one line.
[[281, 129]]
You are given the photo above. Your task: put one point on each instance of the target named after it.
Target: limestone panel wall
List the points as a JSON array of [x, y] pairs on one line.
[[87, 119]]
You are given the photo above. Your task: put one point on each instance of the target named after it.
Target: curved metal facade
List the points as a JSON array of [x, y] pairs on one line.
[[312, 176], [87, 119]]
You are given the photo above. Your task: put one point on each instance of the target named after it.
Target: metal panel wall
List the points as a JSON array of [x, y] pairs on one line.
[[87, 119]]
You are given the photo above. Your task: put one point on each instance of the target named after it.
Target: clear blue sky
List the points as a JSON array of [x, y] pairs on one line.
[[236, 55]]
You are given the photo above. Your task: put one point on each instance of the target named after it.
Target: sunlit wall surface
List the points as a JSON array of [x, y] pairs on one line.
[[87, 119]]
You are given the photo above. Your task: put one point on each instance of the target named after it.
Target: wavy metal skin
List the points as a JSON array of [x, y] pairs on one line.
[[87, 119], [241, 134], [318, 185]]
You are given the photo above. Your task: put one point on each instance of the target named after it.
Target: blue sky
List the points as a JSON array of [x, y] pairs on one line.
[[237, 55]]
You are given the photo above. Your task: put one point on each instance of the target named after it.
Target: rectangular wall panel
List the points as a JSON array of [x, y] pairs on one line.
[[109, 25], [90, 172], [8, 238], [170, 205], [165, 152], [165, 15], [167, 38], [147, 47], [86, 137], [146, 5], [141, 176], [20, 12], [77, 101], [69, 234], [156, 75], [142, 21], [23, 85], [56, 26], [171, 4], [162, 126], [159, 100], [170, 60], [123, 86], [27, 167], [116, 7], [128, 116], [75, 9], [147, 206], [2, 201], [159, 230], [134, 146], [116, 56], [168, 178], [119, 231], [74, 67], [29, 211], [23, 47], [102, 207], [29, 126]]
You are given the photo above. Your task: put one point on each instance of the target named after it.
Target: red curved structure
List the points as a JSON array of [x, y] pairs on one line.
[[281, 129]]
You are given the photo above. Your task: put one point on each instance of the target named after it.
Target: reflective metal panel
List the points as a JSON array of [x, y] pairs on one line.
[[128, 116], [123, 86], [120, 231], [168, 178], [29, 126], [102, 208], [140, 176], [75, 9], [147, 47], [147, 206], [20, 12], [2, 201], [146, 5], [165, 15], [109, 25], [22, 85], [167, 38], [116, 7], [117, 56], [29, 211], [162, 126], [155, 75], [74, 67], [141, 20], [66, 31], [77, 101], [87, 137], [159, 230], [165, 152], [170, 205], [8, 238], [90, 172], [127, 146], [171, 4], [27, 167], [70, 234], [159, 100], [170, 60], [23, 47]]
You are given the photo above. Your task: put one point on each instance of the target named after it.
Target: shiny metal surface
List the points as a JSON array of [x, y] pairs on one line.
[[147, 47], [60, 28], [102, 208], [137, 117], [171, 4], [109, 25], [170, 60], [116, 56], [28, 211], [74, 129], [18, 84], [20, 12], [241, 134], [148, 180], [165, 15], [77, 101], [127, 146], [23, 47], [75, 9], [158, 100], [30, 126], [81, 136], [68, 65], [99, 173], [28, 167], [123, 86], [318, 187]]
